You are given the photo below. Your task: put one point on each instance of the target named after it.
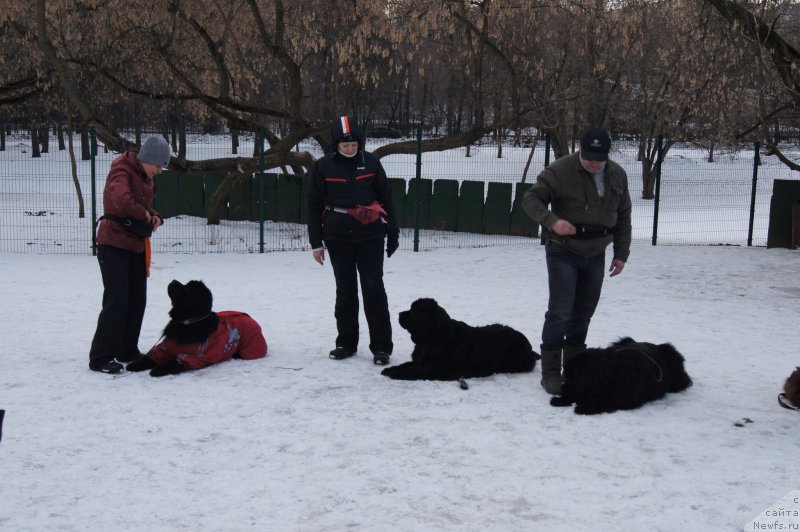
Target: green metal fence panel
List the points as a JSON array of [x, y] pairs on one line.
[[731, 193], [425, 193], [497, 210], [470, 207], [166, 197], [270, 197], [288, 191], [240, 200], [785, 193], [190, 195], [398, 187], [444, 205], [305, 180], [211, 183], [521, 223]]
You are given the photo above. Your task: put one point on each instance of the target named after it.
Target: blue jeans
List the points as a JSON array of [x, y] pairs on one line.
[[575, 283]]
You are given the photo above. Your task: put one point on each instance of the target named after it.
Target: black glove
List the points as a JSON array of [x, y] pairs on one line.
[[142, 364], [173, 367], [392, 243]]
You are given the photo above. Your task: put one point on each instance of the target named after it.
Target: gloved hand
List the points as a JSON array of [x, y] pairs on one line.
[[173, 367], [392, 243], [142, 364]]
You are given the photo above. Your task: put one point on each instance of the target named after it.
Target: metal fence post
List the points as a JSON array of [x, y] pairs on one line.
[[546, 164], [419, 186], [756, 163], [659, 158], [92, 157], [547, 149], [261, 199]]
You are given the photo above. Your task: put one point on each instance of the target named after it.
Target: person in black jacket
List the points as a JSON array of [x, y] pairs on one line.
[[350, 208]]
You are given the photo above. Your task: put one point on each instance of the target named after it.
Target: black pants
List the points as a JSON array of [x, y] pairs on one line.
[[124, 299], [365, 261]]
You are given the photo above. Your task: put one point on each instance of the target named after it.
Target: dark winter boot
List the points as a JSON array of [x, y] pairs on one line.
[[381, 358], [571, 351], [551, 370], [340, 353]]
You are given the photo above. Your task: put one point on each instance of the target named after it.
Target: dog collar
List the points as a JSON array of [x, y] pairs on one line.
[[195, 320]]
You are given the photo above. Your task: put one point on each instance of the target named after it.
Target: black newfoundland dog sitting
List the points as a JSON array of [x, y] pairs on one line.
[[446, 349], [622, 376]]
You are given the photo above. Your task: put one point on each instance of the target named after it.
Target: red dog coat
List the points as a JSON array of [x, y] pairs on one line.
[[237, 334]]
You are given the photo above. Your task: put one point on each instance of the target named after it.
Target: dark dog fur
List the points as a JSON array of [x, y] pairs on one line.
[[622, 376], [192, 323], [192, 320], [791, 388], [446, 349]]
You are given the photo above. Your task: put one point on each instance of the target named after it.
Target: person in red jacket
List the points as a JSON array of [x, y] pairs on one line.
[[128, 194]]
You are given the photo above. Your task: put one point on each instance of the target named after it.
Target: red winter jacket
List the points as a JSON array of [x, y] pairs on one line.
[[128, 193], [237, 334]]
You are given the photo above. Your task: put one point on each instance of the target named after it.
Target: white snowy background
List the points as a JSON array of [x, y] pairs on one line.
[[299, 442]]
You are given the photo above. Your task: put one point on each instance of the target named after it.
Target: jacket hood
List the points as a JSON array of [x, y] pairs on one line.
[[346, 129]]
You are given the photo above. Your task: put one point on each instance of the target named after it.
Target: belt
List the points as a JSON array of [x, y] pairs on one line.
[[588, 231], [336, 209]]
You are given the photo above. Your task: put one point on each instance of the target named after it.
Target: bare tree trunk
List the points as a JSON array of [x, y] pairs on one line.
[[35, 143], [534, 142], [44, 139], [647, 154], [234, 141], [219, 197], [2, 137], [181, 139], [86, 152], [559, 143], [60, 137], [648, 179], [74, 167], [173, 127]]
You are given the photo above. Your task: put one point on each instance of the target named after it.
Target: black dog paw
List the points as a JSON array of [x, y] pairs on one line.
[[588, 410], [560, 401], [142, 364], [173, 367]]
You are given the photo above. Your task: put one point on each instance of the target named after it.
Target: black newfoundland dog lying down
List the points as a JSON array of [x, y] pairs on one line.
[[622, 376], [446, 349], [196, 337]]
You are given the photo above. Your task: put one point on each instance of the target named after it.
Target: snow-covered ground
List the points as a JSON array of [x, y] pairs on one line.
[[299, 442]]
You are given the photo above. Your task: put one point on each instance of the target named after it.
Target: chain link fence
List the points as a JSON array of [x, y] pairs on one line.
[[47, 207]]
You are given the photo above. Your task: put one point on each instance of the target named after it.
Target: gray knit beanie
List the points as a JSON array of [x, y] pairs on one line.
[[155, 151]]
